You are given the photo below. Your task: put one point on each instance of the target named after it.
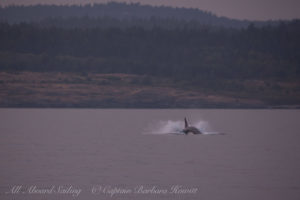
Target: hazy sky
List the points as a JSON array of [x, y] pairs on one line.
[[239, 9]]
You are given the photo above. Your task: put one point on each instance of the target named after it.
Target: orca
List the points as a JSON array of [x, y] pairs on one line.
[[190, 129]]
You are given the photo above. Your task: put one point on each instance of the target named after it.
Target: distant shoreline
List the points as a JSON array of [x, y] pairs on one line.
[[129, 91]]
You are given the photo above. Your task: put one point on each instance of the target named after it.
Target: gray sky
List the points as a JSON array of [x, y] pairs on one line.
[[238, 9]]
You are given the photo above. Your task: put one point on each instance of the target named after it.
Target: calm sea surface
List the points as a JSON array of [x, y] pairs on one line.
[[111, 154]]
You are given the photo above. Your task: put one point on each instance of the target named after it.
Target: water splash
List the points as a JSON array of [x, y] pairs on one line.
[[203, 126], [175, 127], [169, 126]]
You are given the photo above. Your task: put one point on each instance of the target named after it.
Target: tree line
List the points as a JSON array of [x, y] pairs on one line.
[[203, 53], [36, 13]]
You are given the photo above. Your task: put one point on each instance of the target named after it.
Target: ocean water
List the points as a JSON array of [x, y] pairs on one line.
[[141, 154]]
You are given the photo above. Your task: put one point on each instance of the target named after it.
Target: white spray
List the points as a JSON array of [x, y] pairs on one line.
[[170, 126]]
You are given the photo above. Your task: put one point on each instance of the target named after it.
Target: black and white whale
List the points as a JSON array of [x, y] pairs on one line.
[[190, 129]]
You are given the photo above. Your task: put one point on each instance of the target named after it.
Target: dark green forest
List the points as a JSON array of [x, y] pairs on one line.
[[270, 52]]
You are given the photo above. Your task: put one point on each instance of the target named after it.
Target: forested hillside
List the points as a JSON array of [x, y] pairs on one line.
[[204, 53], [253, 64]]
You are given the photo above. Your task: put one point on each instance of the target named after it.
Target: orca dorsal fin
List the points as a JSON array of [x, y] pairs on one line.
[[185, 123]]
